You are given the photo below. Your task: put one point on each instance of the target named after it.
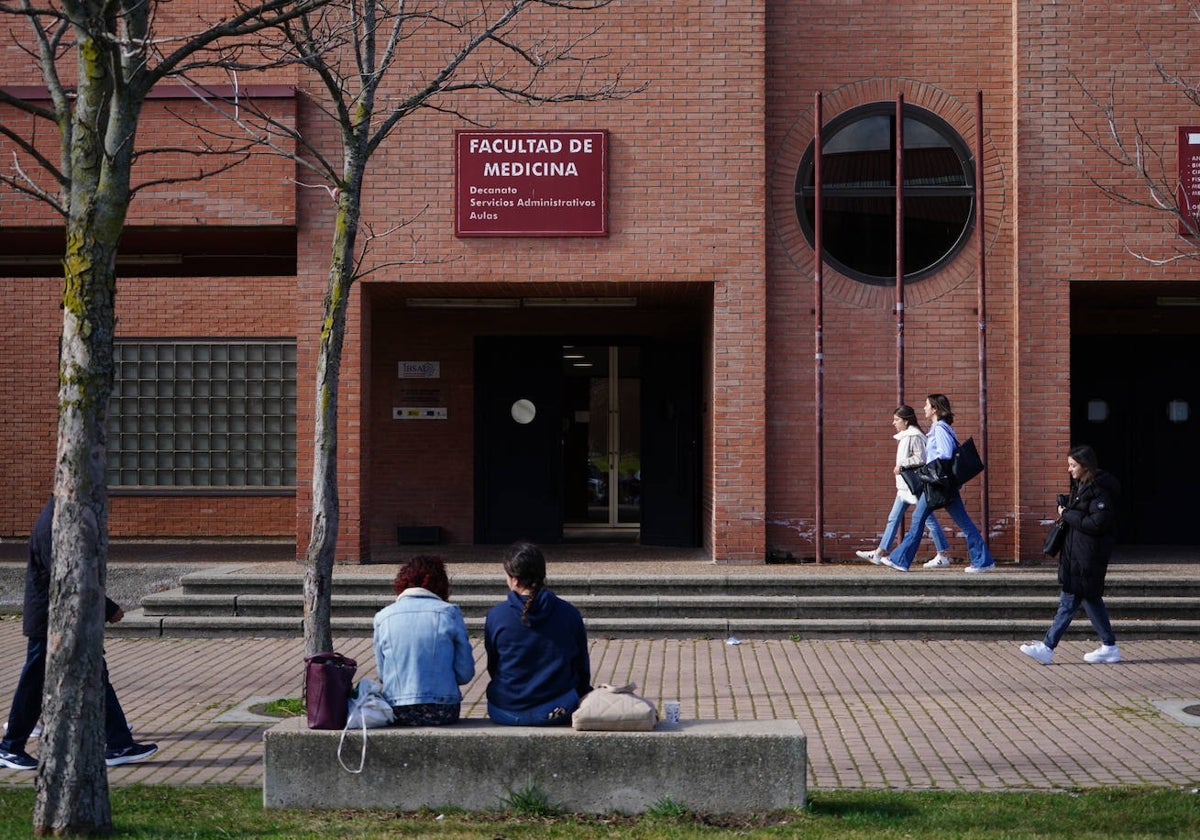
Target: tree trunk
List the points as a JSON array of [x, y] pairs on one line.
[[72, 786], [72, 783], [318, 572]]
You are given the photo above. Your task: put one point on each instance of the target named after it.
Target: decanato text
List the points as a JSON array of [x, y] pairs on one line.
[[505, 146]]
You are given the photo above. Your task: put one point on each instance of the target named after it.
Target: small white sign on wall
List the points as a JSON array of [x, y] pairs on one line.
[[420, 370], [418, 413]]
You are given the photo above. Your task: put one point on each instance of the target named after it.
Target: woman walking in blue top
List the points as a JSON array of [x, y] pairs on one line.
[[940, 443], [537, 651], [910, 452]]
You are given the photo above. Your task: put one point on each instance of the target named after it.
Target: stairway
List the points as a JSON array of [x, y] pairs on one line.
[[842, 603]]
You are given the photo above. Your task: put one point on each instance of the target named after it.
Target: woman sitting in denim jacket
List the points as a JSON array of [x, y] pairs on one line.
[[421, 648]]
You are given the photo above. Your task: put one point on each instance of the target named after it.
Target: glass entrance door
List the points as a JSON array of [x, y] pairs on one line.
[[603, 430]]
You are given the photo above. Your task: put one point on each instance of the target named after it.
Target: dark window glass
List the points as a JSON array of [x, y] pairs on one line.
[[858, 168]]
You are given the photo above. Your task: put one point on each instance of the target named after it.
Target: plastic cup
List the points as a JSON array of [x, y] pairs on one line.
[[671, 711]]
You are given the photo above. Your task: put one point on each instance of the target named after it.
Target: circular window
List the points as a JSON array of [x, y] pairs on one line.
[[858, 191]]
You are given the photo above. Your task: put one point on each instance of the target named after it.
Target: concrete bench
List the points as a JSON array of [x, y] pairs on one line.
[[707, 766]]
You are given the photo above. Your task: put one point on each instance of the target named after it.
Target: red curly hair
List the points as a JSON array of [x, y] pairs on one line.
[[425, 571]]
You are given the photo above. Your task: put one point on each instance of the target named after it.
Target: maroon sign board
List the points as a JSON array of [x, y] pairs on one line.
[[530, 183], [1189, 179]]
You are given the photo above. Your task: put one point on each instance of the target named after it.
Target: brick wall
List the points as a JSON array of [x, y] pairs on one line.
[[880, 51], [686, 207], [702, 166]]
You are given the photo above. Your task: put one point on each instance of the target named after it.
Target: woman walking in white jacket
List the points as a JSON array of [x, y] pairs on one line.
[[910, 452]]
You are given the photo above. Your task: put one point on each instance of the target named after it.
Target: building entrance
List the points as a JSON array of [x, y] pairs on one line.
[[1135, 399], [586, 439]]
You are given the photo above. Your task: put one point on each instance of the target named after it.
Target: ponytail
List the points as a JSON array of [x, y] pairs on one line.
[[524, 563]]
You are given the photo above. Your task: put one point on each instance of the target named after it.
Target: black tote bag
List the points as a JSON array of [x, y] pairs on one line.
[[938, 483], [966, 463], [1054, 538]]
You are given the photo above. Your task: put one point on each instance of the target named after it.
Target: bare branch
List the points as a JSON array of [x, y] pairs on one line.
[[26, 146], [22, 183], [1157, 183]]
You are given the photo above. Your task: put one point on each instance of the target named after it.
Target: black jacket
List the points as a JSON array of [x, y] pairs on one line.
[[1089, 517], [35, 619]]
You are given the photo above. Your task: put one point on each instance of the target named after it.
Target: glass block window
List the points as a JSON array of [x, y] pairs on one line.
[[203, 415]]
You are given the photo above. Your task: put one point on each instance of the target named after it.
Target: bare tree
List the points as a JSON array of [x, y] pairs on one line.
[[375, 68], [1156, 183], [117, 57]]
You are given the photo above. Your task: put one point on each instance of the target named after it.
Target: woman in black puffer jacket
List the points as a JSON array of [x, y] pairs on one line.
[[1089, 516]]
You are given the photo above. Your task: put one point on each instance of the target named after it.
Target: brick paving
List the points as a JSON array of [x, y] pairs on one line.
[[911, 715]]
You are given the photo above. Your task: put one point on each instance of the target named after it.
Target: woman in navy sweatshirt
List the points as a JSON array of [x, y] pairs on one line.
[[537, 651]]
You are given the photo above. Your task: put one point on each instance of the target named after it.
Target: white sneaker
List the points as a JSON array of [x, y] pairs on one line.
[[978, 570], [869, 556], [1038, 651], [887, 561], [939, 561], [1103, 654]]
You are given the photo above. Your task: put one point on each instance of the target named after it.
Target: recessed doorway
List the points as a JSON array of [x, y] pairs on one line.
[[562, 441]]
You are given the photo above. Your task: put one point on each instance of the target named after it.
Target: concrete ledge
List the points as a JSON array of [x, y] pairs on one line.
[[709, 766]]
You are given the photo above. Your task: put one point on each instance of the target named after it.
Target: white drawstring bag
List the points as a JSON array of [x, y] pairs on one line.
[[368, 709]]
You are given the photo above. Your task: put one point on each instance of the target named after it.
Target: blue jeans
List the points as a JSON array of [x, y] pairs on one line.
[[27, 703], [976, 547], [555, 712], [1068, 605], [893, 525]]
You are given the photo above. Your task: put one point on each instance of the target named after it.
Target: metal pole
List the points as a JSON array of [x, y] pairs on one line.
[[899, 141], [981, 305], [819, 320]]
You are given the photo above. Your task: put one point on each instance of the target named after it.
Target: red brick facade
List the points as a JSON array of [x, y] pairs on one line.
[[704, 233]]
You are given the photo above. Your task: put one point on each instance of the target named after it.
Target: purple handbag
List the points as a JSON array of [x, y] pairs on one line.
[[328, 678]]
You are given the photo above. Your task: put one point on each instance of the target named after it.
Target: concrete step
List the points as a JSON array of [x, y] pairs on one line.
[[137, 624], [177, 603], [950, 582], [852, 603]]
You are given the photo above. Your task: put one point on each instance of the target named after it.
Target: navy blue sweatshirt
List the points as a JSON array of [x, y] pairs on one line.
[[535, 664]]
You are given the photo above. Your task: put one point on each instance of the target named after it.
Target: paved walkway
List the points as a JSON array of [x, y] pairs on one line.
[[905, 715]]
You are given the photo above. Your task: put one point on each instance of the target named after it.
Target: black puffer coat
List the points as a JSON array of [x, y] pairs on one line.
[[1089, 517]]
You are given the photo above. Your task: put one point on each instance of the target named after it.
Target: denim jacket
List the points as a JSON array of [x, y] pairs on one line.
[[421, 650]]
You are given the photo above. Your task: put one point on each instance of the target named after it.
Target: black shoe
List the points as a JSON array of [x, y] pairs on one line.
[[124, 755], [19, 760]]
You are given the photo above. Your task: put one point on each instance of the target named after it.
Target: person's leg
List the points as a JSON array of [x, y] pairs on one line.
[[27, 699], [116, 727], [427, 714], [1068, 605], [940, 543], [904, 553], [893, 525], [1097, 613], [981, 558], [555, 712]]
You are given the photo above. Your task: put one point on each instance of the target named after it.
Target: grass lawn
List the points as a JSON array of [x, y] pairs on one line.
[[230, 812]]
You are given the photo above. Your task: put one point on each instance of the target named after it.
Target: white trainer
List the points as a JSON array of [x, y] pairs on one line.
[[1038, 651], [1104, 654], [939, 561], [869, 556]]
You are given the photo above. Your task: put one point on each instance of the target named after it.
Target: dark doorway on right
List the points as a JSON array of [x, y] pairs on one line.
[[1135, 397]]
